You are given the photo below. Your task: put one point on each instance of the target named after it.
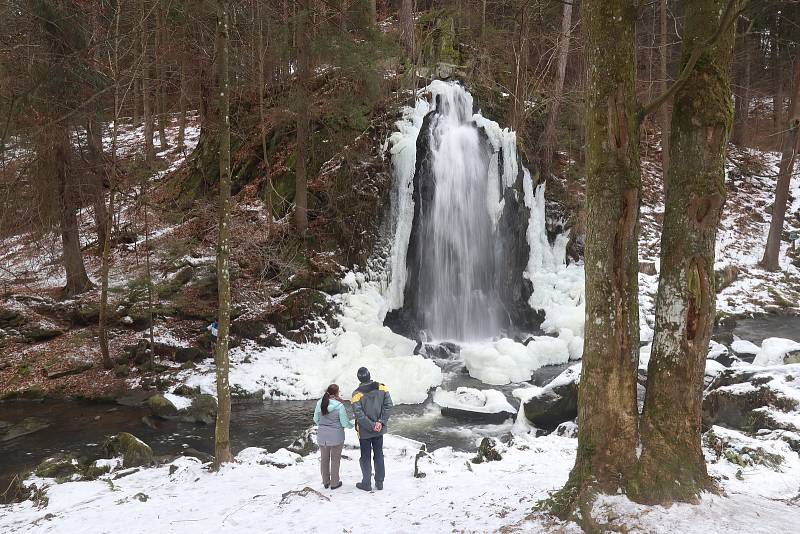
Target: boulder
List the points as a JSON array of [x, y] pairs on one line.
[[726, 276], [61, 467], [39, 333], [194, 453], [750, 400], [487, 452], [556, 403], [445, 350], [190, 354], [305, 443], [161, 406], [257, 330], [134, 451], [10, 318], [203, 410], [239, 395], [75, 369], [297, 316], [29, 425]]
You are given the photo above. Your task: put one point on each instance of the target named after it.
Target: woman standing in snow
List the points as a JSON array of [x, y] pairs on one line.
[[331, 417]]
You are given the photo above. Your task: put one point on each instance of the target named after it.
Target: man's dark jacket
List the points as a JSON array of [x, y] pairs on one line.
[[371, 403]]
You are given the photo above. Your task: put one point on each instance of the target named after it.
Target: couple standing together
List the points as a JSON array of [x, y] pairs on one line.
[[372, 405]]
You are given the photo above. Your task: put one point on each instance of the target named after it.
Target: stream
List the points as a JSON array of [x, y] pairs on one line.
[[81, 428]]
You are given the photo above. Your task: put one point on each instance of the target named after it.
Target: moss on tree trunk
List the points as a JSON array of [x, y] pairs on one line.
[[607, 413], [672, 466]]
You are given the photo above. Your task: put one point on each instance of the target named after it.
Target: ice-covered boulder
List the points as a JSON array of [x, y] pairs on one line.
[[506, 361], [555, 403], [774, 351], [486, 406], [754, 398]]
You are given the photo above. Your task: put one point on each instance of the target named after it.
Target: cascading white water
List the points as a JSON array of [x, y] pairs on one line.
[[457, 297]]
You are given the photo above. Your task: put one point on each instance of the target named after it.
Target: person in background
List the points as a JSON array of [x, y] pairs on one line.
[[372, 405], [331, 418]]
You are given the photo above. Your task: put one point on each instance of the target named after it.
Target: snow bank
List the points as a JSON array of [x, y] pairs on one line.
[[774, 350], [506, 361], [178, 401], [473, 400], [742, 346]]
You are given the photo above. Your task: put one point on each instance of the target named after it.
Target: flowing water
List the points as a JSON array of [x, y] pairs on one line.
[[457, 295]]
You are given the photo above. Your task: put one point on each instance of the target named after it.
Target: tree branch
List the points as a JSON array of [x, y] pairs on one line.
[[728, 17]]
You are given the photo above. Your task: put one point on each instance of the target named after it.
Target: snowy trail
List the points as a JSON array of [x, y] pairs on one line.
[[454, 496]]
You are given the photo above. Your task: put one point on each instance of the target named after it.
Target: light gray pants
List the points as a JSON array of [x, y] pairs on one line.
[[329, 466]]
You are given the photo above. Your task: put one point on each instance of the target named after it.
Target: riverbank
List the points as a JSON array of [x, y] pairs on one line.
[[280, 492]]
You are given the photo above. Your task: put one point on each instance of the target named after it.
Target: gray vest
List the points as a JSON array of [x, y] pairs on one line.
[[330, 432]]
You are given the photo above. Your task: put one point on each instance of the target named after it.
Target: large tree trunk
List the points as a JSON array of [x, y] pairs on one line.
[[548, 141], [222, 440], [607, 412], [666, 110], [58, 150], [672, 466], [303, 121], [786, 169]]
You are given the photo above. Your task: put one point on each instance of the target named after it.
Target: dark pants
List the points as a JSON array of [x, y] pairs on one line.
[[374, 445]]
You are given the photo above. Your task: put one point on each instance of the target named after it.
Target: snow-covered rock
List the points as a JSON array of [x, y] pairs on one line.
[[774, 351], [753, 398], [488, 405]]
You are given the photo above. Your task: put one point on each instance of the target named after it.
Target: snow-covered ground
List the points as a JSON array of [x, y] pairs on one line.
[[455, 495]]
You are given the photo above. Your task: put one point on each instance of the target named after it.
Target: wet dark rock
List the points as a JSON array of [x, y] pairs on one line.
[[134, 451], [445, 350], [194, 453], [29, 425], [555, 404], [241, 396], [469, 416], [134, 397]]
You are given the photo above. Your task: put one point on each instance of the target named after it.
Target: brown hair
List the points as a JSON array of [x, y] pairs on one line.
[[332, 391]]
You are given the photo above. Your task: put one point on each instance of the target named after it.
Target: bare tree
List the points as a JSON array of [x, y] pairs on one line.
[[222, 440], [303, 120], [548, 140], [789, 152]]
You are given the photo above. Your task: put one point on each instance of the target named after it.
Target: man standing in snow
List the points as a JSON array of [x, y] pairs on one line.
[[372, 405]]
